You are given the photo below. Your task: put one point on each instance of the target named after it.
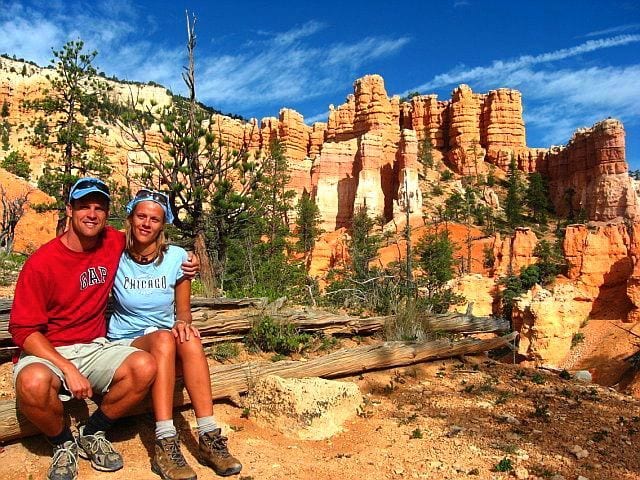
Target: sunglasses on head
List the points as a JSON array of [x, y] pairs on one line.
[[91, 182], [158, 197]]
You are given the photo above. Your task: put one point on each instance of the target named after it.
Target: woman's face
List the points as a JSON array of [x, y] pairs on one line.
[[147, 222]]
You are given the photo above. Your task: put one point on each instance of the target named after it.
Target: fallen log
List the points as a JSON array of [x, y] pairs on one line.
[[229, 380], [228, 319]]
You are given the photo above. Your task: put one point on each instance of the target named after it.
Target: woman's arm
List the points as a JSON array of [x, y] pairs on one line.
[[182, 328]]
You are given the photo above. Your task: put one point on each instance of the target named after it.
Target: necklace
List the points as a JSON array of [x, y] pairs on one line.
[[144, 257]]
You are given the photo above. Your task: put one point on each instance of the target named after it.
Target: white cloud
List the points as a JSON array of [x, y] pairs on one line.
[[557, 101], [279, 70], [500, 68], [617, 29]]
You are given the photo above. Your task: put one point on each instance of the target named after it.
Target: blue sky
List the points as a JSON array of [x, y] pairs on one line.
[[576, 62]]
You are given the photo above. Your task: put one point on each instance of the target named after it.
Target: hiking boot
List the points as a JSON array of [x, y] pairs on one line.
[[168, 461], [99, 451], [64, 465], [213, 452]]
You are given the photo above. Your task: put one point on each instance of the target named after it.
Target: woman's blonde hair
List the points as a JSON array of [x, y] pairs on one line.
[[162, 245]]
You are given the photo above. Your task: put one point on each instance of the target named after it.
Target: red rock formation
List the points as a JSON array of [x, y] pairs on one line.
[[593, 167], [514, 253]]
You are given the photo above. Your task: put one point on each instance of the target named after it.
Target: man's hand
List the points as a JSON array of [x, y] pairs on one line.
[[191, 267], [77, 383]]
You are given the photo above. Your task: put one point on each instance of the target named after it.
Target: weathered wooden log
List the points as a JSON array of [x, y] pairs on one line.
[[228, 319], [228, 380]]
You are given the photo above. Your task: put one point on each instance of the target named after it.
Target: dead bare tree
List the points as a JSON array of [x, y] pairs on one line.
[[12, 212]]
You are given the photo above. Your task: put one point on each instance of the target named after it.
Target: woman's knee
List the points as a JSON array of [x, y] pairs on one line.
[[162, 343], [141, 366]]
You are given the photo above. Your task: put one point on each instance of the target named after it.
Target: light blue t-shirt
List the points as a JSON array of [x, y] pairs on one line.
[[144, 295]]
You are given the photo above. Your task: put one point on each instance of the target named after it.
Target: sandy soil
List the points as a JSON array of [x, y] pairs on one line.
[[450, 419], [454, 419]]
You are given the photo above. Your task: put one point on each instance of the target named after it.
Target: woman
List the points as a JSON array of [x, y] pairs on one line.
[[152, 312]]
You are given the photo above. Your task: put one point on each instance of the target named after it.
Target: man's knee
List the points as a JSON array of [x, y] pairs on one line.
[[35, 382]]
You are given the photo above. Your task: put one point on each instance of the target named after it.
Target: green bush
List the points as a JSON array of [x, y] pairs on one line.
[[269, 335], [446, 175], [10, 266], [225, 351]]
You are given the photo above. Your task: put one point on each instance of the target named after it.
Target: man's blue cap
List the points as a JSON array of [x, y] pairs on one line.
[[87, 185]]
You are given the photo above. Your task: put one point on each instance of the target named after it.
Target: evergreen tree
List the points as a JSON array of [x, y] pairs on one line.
[[435, 258], [307, 221], [75, 100], [363, 245], [17, 164], [513, 202], [258, 263], [537, 198]]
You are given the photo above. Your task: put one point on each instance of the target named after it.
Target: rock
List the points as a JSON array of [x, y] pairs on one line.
[[583, 376], [514, 253], [579, 452], [309, 408], [594, 167], [547, 321], [521, 473], [34, 228]]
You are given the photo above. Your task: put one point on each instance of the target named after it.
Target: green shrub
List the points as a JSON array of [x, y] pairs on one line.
[[577, 339], [504, 465], [269, 335], [446, 175], [225, 351]]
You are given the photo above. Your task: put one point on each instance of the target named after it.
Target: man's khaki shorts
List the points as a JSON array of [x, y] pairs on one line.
[[98, 361]]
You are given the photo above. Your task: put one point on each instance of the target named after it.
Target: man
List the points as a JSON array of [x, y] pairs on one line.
[[58, 322]]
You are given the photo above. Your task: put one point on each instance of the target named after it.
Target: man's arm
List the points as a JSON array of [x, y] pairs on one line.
[[37, 344]]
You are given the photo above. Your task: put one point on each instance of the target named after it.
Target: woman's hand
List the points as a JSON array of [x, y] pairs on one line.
[[183, 331]]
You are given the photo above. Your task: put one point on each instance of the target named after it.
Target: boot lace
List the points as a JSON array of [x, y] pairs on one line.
[[175, 455], [218, 443]]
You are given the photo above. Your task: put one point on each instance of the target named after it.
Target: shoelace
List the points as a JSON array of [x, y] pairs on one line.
[[219, 443], [64, 456], [98, 443], [173, 449]]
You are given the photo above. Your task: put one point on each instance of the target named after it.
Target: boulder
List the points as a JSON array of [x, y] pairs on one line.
[[306, 408]]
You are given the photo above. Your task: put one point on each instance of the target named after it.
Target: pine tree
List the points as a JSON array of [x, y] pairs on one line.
[[436, 260], [363, 245], [74, 101], [307, 221], [207, 182], [537, 198], [513, 202], [17, 164]]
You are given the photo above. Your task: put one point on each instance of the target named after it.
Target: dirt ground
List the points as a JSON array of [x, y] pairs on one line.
[[452, 419], [460, 418]]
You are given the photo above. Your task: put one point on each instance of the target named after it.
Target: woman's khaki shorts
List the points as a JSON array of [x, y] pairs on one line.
[[98, 361]]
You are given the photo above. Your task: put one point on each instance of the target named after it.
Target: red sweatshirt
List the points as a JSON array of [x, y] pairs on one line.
[[63, 294]]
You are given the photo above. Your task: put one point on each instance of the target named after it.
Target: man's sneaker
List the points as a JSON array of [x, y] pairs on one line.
[[64, 465], [168, 461], [214, 453], [99, 451]]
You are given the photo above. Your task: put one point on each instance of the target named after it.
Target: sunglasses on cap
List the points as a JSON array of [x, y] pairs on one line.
[[85, 186], [158, 197]]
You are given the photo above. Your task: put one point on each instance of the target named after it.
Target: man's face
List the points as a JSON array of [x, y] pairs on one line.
[[89, 215]]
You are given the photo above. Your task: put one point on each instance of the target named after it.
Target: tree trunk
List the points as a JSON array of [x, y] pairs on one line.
[[206, 266]]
